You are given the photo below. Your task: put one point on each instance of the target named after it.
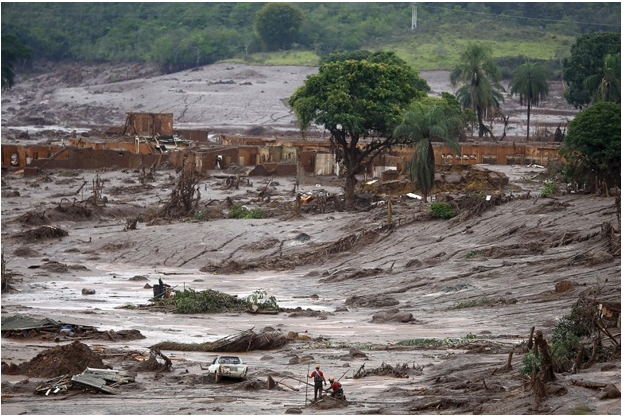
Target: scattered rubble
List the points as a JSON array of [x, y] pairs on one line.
[[103, 380], [23, 326]]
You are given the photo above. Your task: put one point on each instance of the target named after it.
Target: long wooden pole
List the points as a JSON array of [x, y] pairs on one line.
[[343, 375], [307, 372]]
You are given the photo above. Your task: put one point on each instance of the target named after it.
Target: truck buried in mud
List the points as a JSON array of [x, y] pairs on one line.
[[229, 366]]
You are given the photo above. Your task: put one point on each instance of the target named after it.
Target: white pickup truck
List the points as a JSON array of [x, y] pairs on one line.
[[229, 366]]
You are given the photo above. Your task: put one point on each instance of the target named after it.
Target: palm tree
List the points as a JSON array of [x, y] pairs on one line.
[[607, 84], [421, 124], [529, 82], [480, 77]]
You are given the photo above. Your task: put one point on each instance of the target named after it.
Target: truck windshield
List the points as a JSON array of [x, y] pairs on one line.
[[229, 360]]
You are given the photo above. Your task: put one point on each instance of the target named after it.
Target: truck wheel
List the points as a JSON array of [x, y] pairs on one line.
[[217, 377]]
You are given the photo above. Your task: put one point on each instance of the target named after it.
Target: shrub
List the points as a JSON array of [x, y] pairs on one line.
[[260, 298], [565, 348], [199, 216], [549, 188], [578, 322], [189, 301], [530, 361], [442, 210], [242, 212], [565, 339]]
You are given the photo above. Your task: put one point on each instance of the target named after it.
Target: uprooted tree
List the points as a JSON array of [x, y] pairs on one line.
[[359, 99], [185, 196]]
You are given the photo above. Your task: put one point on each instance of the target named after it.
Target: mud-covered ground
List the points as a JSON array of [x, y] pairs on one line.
[[225, 97], [475, 284], [353, 277]]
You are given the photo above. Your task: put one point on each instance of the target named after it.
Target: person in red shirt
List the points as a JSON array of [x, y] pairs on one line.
[[337, 389], [319, 378]]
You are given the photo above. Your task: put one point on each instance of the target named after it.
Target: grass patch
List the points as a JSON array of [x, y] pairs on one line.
[[431, 48], [242, 212], [438, 46], [424, 342], [474, 253], [436, 343]]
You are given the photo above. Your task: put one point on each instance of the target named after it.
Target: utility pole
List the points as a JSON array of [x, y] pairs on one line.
[[414, 16]]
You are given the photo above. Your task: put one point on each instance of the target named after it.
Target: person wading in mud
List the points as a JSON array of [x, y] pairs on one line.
[[320, 380]]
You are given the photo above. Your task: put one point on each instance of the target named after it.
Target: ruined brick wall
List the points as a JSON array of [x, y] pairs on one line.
[[149, 124], [286, 169], [274, 169], [248, 155], [21, 156], [494, 154], [199, 136], [97, 159], [307, 160]]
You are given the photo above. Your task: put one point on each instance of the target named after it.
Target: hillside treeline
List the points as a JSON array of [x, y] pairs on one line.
[[182, 35]]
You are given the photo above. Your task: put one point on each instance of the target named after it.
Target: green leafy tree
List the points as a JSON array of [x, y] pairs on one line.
[[587, 59], [607, 85], [278, 24], [358, 102], [12, 51], [529, 82], [592, 147], [479, 76], [421, 124]]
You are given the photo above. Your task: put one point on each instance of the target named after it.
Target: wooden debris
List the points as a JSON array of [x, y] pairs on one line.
[[56, 385], [244, 341], [399, 371], [589, 384], [548, 373]]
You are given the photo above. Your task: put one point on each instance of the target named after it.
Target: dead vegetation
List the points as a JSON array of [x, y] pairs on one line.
[[185, 196], [248, 340], [398, 371], [7, 277], [44, 232]]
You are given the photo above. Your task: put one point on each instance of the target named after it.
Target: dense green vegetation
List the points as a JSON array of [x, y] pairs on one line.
[[12, 52], [592, 147], [587, 61], [183, 35]]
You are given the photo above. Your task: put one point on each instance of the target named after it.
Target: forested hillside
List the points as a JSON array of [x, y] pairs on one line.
[[184, 35]]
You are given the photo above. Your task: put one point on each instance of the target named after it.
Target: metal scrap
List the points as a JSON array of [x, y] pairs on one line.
[[102, 380]]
